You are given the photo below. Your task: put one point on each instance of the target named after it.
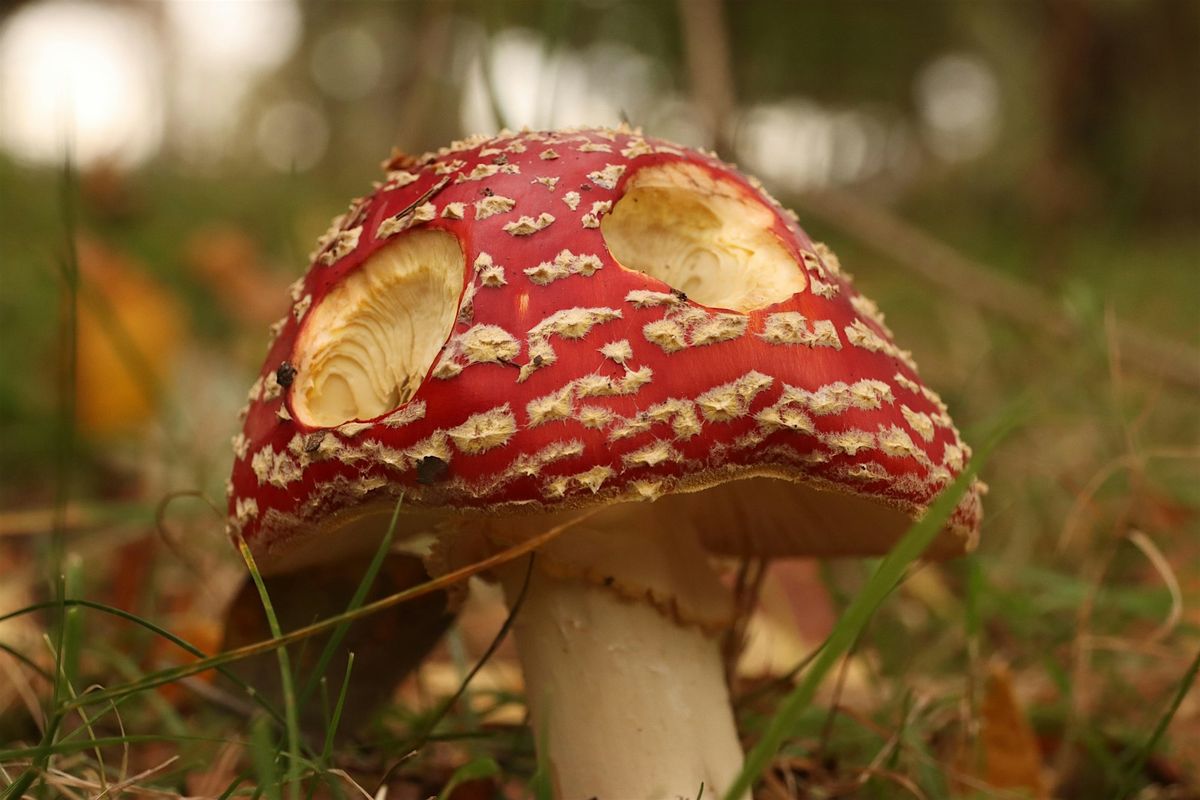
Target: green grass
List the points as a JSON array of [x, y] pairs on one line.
[[850, 627], [290, 710], [1138, 755]]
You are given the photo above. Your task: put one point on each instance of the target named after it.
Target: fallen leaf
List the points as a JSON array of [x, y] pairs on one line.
[[1008, 748]]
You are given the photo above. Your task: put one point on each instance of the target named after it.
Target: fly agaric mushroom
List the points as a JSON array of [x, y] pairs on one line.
[[516, 331]]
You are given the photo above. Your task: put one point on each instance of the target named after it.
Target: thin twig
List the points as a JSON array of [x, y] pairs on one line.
[[838, 686], [1131, 461], [428, 59], [1163, 567], [747, 591], [116, 789]]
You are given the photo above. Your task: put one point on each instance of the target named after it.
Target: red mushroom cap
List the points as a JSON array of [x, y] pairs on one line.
[[569, 380]]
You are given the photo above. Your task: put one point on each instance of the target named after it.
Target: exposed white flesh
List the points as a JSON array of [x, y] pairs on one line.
[[626, 702], [366, 346], [703, 235]]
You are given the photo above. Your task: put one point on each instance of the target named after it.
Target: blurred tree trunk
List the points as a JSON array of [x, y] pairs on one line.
[[1122, 113], [1078, 88], [710, 67], [1171, 63]]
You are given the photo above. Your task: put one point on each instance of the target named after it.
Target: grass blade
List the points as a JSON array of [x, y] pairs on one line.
[[72, 622], [336, 718], [291, 717], [1143, 752], [850, 625], [66, 747], [360, 596], [173, 674], [262, 753], [64, 459], [213, 662]]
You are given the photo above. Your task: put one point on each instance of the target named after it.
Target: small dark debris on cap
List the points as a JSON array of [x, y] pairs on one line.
[[431, 470], [285, 374]]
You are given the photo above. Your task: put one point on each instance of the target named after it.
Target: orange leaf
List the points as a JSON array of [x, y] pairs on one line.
[[129, 331], [1008, 746]]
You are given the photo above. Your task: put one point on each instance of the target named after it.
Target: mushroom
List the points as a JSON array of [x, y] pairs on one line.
[[597, 328]]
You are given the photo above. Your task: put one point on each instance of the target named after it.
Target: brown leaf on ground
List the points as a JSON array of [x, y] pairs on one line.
[[1009, 757], [799, 580]]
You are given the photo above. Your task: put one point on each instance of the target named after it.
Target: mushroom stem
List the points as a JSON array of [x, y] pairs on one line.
[[626, 702]]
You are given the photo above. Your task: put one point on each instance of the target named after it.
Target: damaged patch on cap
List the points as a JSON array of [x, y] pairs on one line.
[[703, 235], [366, 345]]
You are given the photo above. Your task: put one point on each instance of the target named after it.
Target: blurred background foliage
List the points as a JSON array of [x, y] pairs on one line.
[[1053, 145]]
